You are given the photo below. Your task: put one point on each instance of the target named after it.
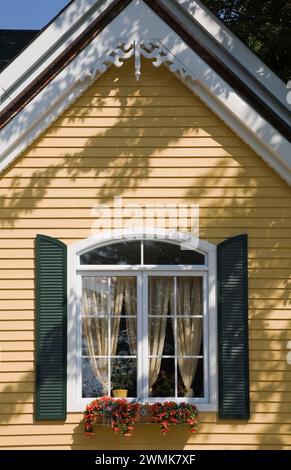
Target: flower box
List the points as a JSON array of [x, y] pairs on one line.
[[122, 415]]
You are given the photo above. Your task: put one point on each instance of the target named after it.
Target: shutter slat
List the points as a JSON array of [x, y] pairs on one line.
[[51, 328], [233, 357]]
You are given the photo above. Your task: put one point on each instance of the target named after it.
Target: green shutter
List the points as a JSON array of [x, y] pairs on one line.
[[51, 328], [233, 356]]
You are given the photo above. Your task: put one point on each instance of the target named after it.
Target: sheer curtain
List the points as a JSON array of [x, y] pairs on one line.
[[159, 297], [95, 329], [130, 309], [189, 330]]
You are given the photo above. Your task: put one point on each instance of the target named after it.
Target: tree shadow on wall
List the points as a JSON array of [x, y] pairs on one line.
[[115, 157]]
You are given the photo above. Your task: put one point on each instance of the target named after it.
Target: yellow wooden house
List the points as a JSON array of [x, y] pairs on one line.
[[145, 235]]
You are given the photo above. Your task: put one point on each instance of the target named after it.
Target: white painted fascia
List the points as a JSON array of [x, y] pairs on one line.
[[137, 22], [235, 47], [216, 38], [47, 47]]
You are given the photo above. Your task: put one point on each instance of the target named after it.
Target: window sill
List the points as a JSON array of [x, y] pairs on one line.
[[79, 407]]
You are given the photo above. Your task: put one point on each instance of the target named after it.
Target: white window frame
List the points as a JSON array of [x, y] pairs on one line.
[[75, 402]]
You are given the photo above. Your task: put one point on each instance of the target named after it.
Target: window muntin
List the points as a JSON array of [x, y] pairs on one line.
[[143, 252]]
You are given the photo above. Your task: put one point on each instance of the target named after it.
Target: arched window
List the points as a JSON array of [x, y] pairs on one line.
[[140, 320]]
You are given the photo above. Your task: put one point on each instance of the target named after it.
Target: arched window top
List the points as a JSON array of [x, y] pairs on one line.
[[142, 252]]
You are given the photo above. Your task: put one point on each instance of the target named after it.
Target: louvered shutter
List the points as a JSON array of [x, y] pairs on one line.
[[233, 357], [51, 328]]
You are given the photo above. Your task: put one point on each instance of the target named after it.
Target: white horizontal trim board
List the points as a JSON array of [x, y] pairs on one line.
[[138, 23]]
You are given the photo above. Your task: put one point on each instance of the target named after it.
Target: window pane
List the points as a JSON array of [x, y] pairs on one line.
[[95, 295], [190, 378], [162, 377], [189, 336], [160, 294], [168, 253], [95, 336], [123, 295], [189, 295], [94, 377], [117, 253], [123, 375], [123, 336], [161, 338]]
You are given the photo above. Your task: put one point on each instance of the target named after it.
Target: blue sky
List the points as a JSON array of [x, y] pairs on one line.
[[28, 14]]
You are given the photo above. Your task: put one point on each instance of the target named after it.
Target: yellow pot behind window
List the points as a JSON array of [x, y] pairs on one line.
[[120, 393]]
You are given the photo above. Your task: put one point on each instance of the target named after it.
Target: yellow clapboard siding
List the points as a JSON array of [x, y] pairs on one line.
[[268, 355], [138, 132], [262, 293], [243, 154], [25, 387], [267, 304], [53, 429], [5, 410], [26, 205], [21, 325], [144, 111], [205, 213], [205, 223], [16, 366], [16, 314], [20, 397], [77, 234], [146, 181], [265, 345], [16, 274], [106, 166], [17, 346], [269, 365], [15, 294], [18, 377], [126, 90], [11, 356], [151, 142], [167, 169], [27, 284], [269, 334], [15, 335], [140, 102], [207, 418], [174, 439], [140, 192], [270, 387], [143, 142], [183, 122]]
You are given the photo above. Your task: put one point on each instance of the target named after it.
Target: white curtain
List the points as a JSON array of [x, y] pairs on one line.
[[95, 330], [130, 309], [159, 297], [189, 330]]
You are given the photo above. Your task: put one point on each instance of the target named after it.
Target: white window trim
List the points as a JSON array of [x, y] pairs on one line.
[[74, 401]]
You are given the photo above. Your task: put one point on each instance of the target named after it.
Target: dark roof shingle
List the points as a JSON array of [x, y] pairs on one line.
[[12, 42]]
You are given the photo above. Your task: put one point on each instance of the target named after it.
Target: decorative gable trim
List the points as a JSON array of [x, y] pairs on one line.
[[128, 34], [151, 49]]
